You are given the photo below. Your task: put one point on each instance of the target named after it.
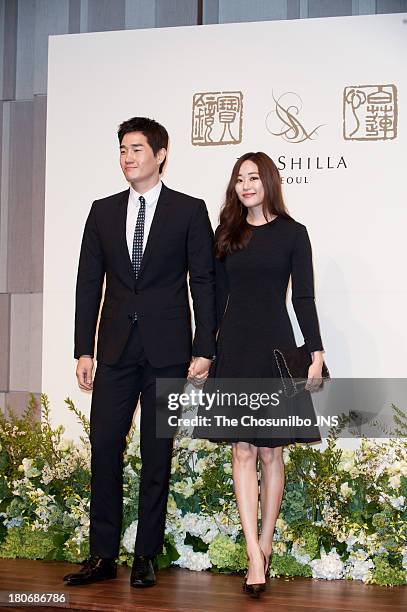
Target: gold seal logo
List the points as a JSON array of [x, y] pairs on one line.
[[217, 118], [370, 112]]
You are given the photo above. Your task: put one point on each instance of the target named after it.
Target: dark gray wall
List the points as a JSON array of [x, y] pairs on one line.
[[24, 29]]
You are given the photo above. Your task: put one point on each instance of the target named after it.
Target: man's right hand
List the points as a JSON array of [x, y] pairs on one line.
[[84, 371]]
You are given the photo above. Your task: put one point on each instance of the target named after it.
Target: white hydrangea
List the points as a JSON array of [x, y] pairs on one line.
[[189, 559], [129, 537], [228, 524], [398, 502], [200, 526], [329, 566], [359, 566]]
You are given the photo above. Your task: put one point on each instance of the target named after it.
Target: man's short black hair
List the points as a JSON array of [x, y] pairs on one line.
[[156, 134]]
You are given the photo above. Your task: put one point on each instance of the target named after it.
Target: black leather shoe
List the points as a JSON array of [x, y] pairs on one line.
[[142, 573], [93, 569]]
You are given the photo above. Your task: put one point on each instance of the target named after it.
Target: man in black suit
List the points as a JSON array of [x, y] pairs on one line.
[[143, 241]]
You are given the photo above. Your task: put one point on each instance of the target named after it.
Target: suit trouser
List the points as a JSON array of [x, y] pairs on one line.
[[116, 391]]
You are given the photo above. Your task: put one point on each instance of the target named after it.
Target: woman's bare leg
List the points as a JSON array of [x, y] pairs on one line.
[[244, 470], [271, 494]]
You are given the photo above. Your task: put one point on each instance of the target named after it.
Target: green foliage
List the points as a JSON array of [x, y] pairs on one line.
[[75, 553], [197, 544], [227, 555], [287, 565], [295, 503], [312, 539], [24, 543], [386, 575], [332, 499], [309, 473], [168, 555], [400, 420]]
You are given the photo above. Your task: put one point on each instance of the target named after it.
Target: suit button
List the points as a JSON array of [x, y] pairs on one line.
[[130, 316]]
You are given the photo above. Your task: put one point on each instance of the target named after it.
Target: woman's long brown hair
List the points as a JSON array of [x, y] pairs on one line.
[[234, 233]]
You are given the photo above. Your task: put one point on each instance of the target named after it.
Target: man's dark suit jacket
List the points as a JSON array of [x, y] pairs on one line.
[[179, 241]]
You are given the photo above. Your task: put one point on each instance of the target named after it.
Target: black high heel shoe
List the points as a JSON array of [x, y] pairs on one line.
[[255, 589]]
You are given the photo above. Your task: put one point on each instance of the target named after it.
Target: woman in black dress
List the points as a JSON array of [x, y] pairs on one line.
[[258, 247]]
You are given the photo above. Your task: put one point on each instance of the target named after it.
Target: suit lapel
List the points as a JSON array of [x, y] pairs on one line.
[[122, 240], [157, 225]]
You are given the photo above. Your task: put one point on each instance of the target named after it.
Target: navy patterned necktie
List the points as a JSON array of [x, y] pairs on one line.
[[137, 252]]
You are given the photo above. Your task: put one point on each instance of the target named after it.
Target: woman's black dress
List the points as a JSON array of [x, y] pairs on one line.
[[251, 288]]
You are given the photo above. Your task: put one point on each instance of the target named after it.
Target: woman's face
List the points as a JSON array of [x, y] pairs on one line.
[[249, 187]]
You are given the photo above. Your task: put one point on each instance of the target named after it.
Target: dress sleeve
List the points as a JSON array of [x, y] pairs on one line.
[[303, 298], [222, 287], [222, 290]]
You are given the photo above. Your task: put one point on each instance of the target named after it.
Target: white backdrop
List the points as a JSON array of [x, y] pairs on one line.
[[350, 186]]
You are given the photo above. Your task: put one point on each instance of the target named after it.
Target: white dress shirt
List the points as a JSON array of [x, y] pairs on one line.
[[133, 207]]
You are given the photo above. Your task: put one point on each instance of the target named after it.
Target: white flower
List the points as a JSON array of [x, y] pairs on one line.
[[228, 524], [200, 526], [200, 465], [182, 442], [133, 447], [346, 491], [395, 481], [397, 502], [184, 487], [65, 445], [196, 561], [29, 470], [347, 462], [280, 548], [281, 525], [358, 566], [227, 468], [329, 566], [196, 445], [129, 537], [198, 482]]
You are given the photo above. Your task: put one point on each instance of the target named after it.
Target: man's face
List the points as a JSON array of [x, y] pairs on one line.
[[137, 159]]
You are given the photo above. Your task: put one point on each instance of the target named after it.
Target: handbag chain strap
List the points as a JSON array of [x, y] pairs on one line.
[[283, 377]]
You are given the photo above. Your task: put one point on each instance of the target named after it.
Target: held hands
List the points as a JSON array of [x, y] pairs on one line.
[[315, 372], [84, 371], [198, 370]]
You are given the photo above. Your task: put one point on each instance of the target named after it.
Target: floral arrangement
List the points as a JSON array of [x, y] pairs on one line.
[[343, 515]]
